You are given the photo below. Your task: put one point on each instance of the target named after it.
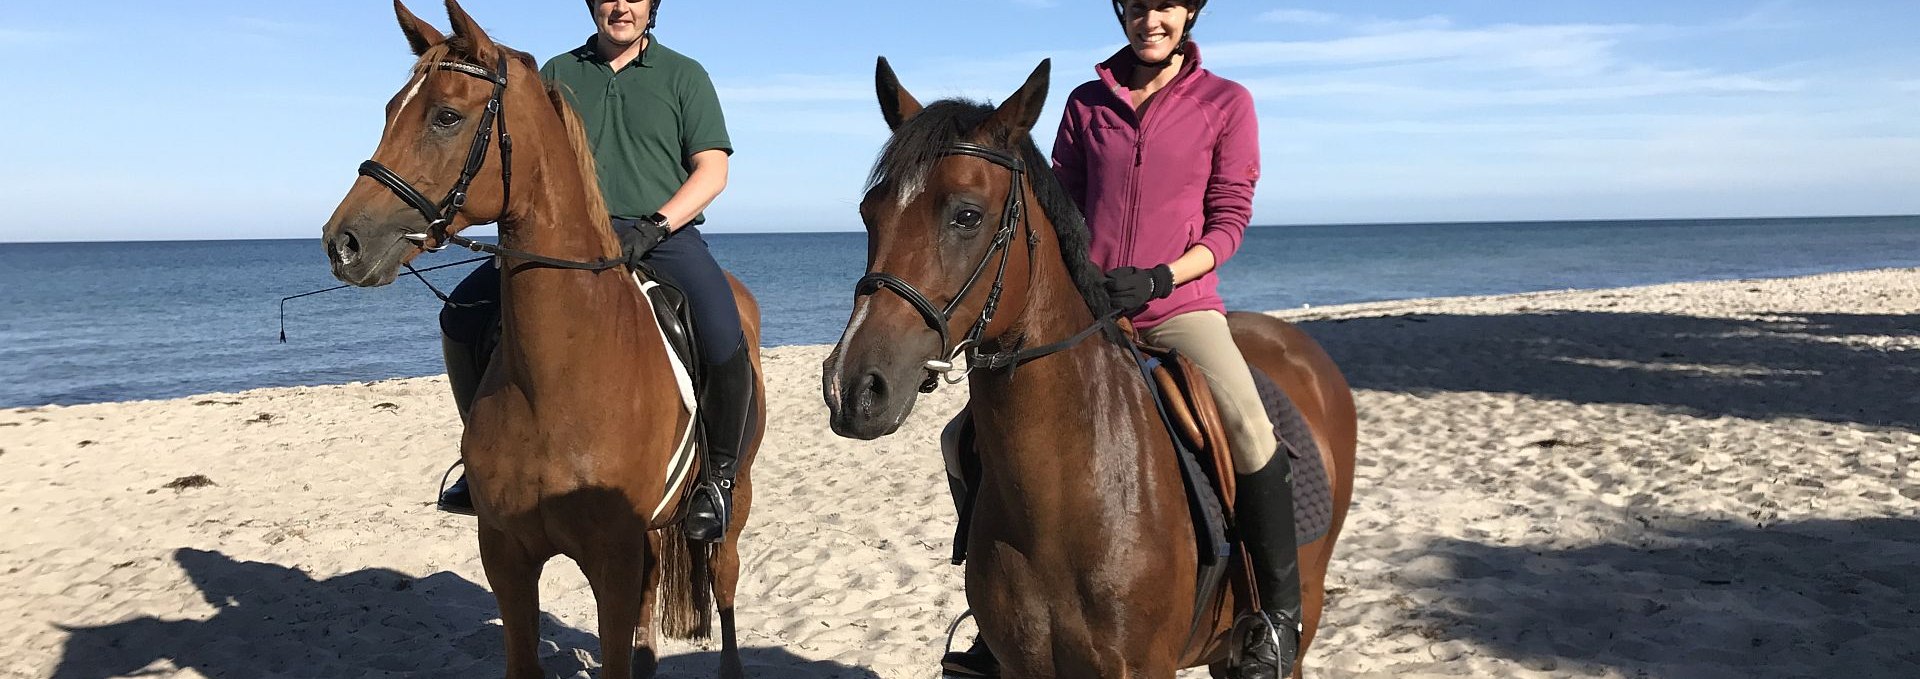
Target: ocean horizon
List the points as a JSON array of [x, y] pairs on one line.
[[101, 321]]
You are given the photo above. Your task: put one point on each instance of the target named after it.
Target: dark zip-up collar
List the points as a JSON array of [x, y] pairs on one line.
[[590, 52], [1124, 58]]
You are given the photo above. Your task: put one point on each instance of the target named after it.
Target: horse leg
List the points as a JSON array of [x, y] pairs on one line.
[[726, 576], [724, 568], [616, 572], [514, 575], [646, 661]]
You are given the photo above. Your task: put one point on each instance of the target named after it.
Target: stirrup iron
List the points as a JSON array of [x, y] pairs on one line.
[[1256, 623]]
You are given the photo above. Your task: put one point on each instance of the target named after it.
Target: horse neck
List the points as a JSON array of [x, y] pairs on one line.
[[1080, 412], [553, 216], [549, 314]]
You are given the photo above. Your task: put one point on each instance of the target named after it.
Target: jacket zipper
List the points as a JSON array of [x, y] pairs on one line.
[[1133, 179]]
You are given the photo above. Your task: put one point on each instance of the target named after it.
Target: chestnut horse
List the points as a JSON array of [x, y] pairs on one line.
[[581, 414], [1082, 559]]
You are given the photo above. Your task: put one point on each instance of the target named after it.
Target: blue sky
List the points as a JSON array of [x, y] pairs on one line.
[[224, 119]]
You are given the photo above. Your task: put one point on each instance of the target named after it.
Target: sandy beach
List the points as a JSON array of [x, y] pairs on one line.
[[1687, 481]]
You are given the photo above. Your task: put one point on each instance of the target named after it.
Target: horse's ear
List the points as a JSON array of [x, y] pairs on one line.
[[465, 28], [1017, 115], [420, 34], [896, 104]]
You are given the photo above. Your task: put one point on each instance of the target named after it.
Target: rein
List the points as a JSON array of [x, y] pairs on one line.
[[1013, 217], [440, 215], [416, 274]]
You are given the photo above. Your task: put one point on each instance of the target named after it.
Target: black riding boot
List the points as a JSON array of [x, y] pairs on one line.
[[1265, 511], [726, 405], [977, 662], [464, 367]]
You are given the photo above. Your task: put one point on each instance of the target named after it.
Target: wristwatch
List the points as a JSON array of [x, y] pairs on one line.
[[661, 221]]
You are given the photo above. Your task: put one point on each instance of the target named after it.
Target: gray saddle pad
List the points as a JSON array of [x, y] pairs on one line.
[[1312, 493]]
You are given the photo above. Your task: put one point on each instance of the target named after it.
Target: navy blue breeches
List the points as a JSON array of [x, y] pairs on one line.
[[682, 260]]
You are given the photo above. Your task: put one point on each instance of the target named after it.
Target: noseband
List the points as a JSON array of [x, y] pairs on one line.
[[1012, 216]]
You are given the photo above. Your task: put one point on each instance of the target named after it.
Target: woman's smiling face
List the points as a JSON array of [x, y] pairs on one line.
[[1155, 28]]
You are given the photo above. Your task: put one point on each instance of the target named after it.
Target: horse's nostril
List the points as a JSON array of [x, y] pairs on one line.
[[871, 393], [346, 247]]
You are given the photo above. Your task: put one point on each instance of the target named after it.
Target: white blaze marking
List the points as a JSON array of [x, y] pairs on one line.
[[860, 311], [418, 81]]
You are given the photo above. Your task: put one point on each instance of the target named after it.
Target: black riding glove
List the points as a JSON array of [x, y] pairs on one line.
[[1131, 288], [638, 238]]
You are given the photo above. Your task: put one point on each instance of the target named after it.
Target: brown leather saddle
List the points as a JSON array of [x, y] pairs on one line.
[[1187, 400]]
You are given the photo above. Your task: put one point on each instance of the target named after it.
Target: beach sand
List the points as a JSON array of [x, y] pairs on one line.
[[1678, 481]]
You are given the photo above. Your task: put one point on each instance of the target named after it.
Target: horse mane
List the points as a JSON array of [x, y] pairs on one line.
[[458, 48], [583, 153], [908, 158]]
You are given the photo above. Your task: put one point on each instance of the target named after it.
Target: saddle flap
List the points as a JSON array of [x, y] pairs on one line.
[[1196, 418], [671, 311]]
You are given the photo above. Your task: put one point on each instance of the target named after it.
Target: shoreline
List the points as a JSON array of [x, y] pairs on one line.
[[1304, 314], [1714, 479], [1452, 222]]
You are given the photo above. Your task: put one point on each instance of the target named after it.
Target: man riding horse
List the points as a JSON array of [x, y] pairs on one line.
[[661, 147]]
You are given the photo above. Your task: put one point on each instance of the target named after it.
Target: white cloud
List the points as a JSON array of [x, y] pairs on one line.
[[1770, 15], [1300, 16], [1380, 95], [1558, 48], [22, 36], [1426, 23]]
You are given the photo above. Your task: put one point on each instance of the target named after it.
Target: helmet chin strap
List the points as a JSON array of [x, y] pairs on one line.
[[1186, 38], [1163, 63]]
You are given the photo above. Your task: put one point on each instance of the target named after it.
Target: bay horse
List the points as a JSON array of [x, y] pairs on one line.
[[576, 443], [1082, 555]]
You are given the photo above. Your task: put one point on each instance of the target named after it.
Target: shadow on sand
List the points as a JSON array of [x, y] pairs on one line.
[[279, 621], [1816, 366], [1692, 600]]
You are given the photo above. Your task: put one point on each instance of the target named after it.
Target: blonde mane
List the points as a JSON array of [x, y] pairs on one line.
[[582, 153]]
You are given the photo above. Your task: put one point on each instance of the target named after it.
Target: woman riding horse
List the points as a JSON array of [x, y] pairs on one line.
[[1162, 156], [1083, 556]]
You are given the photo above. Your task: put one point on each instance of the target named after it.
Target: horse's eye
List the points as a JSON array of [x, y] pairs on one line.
[[968, 218], [446, 118]]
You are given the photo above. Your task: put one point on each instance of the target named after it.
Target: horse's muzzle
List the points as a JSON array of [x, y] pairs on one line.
[[366, 256], [862, 409]]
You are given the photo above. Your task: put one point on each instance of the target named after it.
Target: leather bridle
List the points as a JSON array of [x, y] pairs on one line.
[[1013, 217], [440, 215]]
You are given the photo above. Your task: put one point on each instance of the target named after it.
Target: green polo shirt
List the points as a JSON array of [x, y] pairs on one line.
[[644, 122]]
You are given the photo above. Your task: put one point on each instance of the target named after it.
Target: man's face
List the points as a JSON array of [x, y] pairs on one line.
[[621, 22]]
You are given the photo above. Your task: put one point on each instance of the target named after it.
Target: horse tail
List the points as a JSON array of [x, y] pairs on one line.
[[685, 586]]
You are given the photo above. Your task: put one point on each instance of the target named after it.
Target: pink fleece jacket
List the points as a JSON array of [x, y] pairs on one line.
[[1154, 186]]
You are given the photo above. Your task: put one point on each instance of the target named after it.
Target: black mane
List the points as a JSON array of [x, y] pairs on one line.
[[908, 158]]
